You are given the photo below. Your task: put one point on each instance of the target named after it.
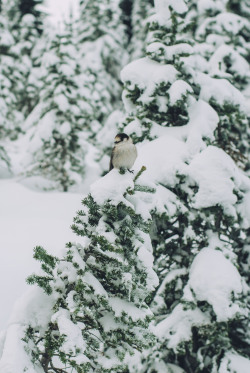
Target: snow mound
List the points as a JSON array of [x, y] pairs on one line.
[[234, 363], [178, 326], [162, 157], [111, 187], [214, 279], [216, 175], [15, 346]]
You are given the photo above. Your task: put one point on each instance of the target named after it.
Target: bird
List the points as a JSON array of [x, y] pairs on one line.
[[124, 153]]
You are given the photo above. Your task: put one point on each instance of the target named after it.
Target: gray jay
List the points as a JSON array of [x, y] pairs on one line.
[[124, 152]]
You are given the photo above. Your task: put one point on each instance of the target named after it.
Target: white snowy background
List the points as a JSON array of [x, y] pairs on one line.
[[29, 218]]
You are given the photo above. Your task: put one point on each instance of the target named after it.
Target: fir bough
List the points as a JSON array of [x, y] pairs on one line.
[[99, 287]]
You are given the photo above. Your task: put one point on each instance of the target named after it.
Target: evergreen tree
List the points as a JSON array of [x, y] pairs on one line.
[[17, 9], [4, 161], [58, 135], [140, 12], [102, 42], [98, 291], [134, 16], [33, 70], [31, 7], [12, 13], [201, 309], [18, 42], [126, 7], [241, 7], [10, 116], [157, 104], [23, 50], [25, 25], [171, 45], [222, 30]]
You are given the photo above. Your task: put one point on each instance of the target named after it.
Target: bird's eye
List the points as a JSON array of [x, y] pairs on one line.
[[117, 142]]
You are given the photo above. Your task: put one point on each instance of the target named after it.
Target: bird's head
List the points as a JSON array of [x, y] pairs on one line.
[[122, 138]]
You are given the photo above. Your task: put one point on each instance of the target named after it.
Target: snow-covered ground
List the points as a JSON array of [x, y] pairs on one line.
[[28, 219]]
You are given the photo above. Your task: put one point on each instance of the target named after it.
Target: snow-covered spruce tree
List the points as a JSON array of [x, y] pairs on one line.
[[29, 37], [9, 114], [222, 31], [16, 9], [141, 10], [126, 7], [134, 15], [241, 7], [10, 9], [102, 44], [199, 226], [4, 161], [33, 71], [32, 7], [170, 44], [57, 137], [155, 94], [26, 39], [222, 37], [98, 290]]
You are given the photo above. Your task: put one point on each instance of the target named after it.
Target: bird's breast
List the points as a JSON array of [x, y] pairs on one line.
[[124, 156]]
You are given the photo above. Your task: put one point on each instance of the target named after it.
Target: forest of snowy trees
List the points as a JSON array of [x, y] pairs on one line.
[[158, 277]]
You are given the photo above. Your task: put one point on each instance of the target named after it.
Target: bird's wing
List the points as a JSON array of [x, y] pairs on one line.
[[111, 160]]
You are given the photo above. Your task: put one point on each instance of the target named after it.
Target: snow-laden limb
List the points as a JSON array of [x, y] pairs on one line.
[[162, 8], [203, 121], [214, 164], [162, 157], [244, 210], [169, 52], [158, 302], [178, 326], [234, 363], [220, 90], [223, 23], [147, 74], [239, 66], [111, 188], [14, 358], [34, 308], [214, 279]]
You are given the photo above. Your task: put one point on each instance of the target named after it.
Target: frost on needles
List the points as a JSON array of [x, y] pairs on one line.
[[99, 290]]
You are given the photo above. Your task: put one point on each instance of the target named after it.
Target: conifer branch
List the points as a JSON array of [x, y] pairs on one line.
[[130, 190], [139, 173]]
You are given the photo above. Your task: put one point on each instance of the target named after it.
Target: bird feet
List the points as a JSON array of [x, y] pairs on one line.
[[123, 170]]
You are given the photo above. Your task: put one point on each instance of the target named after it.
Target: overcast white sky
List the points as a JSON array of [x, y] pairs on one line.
[[60, 9]]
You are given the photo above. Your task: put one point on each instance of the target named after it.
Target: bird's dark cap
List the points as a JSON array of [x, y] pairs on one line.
[[121, 137]]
